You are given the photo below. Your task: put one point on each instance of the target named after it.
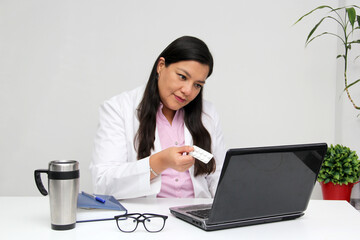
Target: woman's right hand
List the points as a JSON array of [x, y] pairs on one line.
[[176, 158]]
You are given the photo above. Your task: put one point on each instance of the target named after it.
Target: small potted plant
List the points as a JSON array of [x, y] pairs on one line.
[[339, 172], [349, 22]]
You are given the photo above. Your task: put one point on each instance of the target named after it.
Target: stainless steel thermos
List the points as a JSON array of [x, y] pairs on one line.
[[63, 187]]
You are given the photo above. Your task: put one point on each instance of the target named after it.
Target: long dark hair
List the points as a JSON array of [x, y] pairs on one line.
[[182, 49]]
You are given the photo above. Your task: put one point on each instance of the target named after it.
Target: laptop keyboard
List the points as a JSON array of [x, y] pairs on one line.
[[203, 213]]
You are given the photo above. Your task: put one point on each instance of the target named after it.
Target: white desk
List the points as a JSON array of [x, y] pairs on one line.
[[29, 218]]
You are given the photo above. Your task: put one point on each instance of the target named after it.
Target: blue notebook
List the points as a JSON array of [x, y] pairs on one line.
[[90, 210]]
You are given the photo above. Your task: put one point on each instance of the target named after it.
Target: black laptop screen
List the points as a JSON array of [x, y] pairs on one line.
[[265, 182]]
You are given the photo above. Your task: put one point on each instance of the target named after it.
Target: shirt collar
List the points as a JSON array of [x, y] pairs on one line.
[[178, 118]]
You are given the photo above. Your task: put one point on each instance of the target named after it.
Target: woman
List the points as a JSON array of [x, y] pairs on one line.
[[145, 135]]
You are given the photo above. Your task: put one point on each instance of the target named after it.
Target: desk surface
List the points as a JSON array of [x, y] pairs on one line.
[[29, 218]]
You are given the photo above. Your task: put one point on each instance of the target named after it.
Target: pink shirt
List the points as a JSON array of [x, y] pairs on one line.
[[174, 184]]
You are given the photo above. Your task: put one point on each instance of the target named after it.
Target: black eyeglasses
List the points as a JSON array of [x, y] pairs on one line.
[[129, 222]]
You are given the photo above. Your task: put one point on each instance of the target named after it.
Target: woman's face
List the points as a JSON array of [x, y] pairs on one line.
[[179, 83]]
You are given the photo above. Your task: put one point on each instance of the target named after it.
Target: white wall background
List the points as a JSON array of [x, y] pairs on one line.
[[60, 59]]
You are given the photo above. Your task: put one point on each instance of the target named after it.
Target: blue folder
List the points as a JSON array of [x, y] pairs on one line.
[[110, 202], [91, 210]]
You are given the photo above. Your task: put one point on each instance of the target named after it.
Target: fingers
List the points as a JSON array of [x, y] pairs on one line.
[[186, 149], [183, 162], [187, 159]]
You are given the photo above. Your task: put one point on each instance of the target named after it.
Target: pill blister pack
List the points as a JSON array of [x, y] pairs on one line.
[[201, 154]]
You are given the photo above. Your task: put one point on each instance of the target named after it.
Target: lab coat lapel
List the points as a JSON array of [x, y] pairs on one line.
[[157, 144], [188, 142], [188, 137]]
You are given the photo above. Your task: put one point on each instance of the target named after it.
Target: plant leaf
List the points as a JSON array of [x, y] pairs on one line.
[[313, 30], [321, 7], [324, 33], [352, 84], [358, 19], [355, 6], [356, 41], [352, 15]]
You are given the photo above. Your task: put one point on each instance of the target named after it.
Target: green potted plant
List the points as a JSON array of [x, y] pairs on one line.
[[349, 22], [339, 172]]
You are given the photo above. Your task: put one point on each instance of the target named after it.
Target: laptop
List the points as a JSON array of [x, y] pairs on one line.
[[259, 185]]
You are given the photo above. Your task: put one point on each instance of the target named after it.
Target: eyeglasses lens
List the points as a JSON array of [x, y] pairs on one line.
[[154, 224], [127, 224]]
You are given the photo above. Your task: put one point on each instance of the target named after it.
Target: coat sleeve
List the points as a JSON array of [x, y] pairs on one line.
[[114, 167]]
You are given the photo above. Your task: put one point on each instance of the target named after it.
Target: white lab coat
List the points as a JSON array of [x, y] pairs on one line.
[[115, 168]]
